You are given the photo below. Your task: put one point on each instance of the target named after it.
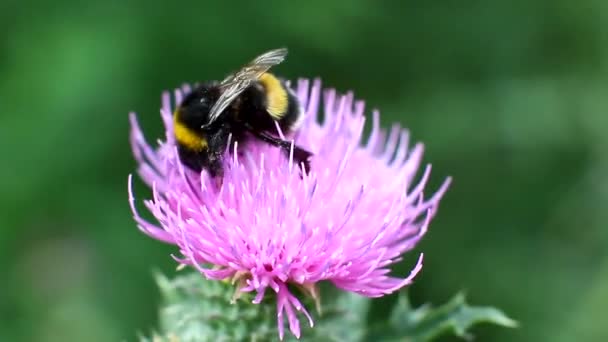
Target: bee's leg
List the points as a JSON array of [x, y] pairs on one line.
[[195, 161], [211, 162], [215, 168], [300, 155]]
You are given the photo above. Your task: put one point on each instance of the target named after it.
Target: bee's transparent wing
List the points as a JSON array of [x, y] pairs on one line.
[[233, 85]]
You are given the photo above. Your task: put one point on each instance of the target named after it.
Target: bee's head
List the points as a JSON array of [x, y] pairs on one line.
[[194, 109]]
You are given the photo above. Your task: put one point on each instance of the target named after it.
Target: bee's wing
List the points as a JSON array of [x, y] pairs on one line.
[[233, 85]]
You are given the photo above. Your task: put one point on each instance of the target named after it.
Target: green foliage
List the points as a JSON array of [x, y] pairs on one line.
[[195, 309], [426, 323]]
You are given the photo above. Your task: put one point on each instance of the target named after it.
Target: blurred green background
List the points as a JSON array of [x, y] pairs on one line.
[[510, 98]]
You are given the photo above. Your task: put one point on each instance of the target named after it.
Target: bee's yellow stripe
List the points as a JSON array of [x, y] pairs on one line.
[[276, 96], [186, 137]]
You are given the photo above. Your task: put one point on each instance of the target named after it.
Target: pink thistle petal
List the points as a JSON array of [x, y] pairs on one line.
[[269, 225]]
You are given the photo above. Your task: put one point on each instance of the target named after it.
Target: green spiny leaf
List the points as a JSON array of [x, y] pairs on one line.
[[196, 309], [426, 323], [343, 317]]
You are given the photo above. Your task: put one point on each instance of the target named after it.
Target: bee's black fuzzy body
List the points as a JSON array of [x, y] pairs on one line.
[[252, 114]]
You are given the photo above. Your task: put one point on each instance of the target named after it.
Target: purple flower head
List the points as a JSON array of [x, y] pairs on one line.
[[269, 224]]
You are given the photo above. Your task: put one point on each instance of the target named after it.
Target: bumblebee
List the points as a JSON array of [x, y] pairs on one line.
[[244, 106]]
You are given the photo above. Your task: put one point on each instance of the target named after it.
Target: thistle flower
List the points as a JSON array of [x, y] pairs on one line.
[[354, 214]]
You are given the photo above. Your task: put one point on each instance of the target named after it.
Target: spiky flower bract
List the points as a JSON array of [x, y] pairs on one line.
[[354, 214]]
